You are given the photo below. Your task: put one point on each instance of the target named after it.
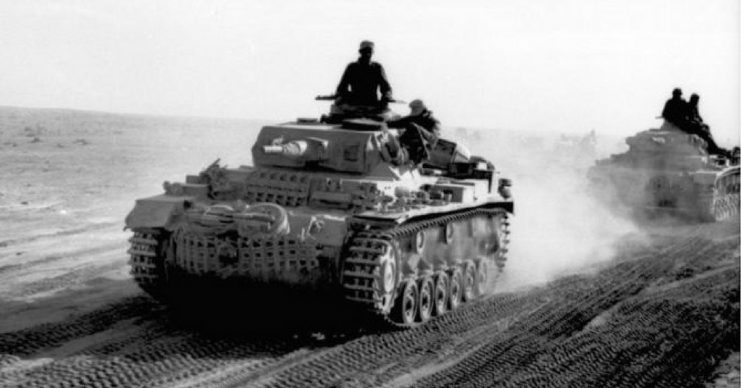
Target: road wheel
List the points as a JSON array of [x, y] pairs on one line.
[[455, 293], [426, 298], [441, 292], [469, 281], [405, 308]]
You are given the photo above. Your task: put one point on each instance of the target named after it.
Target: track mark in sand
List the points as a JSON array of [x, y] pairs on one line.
[[67, 232], [30, 341], [238, 370], [378, 359], [644, 335], [158, 355], [20, 266], [373, 359], [425, 370], [78, 276], [582, 330], [12, 269]]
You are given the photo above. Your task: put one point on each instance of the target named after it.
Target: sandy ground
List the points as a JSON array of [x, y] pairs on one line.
[[588, 299]]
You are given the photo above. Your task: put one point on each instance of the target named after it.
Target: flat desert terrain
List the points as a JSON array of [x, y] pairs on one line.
[[587, 299]]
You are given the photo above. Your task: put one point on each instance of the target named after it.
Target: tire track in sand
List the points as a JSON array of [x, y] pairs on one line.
[[505, 339]]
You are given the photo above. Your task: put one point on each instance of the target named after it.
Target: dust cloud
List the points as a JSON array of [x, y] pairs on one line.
[[559, 227]]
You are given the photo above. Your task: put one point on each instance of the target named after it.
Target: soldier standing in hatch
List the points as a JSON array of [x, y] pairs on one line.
[[421, 130], [363, 79]]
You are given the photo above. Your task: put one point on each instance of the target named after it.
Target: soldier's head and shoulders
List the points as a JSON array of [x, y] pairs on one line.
[[365, 59], [676, 98]]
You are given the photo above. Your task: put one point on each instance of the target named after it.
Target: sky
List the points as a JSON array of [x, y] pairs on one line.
[[566, 66]]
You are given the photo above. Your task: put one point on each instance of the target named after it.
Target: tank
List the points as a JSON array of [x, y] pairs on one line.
[[324, 210], [668, 172]]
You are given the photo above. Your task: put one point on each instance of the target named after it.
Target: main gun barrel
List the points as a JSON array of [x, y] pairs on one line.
[[272, 149], [291, 148]]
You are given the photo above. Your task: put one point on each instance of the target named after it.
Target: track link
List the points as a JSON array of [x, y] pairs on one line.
[[147, 261]]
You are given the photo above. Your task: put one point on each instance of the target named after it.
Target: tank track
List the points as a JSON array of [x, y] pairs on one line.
[[147, 261], [726, 205], [367, 253], [500, 257]]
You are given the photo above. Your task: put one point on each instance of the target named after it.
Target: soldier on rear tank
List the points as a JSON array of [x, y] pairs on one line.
[[675, 109], [697, 126], [685, 116]]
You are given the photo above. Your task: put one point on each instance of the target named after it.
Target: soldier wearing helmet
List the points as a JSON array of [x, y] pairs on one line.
[[363, 79]]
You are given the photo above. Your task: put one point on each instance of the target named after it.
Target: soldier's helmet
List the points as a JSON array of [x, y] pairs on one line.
[[417, 104], [677, 92]]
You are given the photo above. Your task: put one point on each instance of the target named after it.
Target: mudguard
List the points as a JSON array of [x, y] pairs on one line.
[[161, 211]]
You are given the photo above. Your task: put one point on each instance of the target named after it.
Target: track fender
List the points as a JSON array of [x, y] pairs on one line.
[[161, 211]]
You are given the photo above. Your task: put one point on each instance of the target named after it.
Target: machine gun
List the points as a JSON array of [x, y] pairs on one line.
[[334, 97]]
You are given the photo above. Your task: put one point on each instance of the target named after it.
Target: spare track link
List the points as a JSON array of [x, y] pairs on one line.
[[146, 261], [367, 250]]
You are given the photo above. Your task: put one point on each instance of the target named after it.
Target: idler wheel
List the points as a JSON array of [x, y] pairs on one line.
[[469, 281], [441, 292], [426, 298], [405, 309], [455, 292]]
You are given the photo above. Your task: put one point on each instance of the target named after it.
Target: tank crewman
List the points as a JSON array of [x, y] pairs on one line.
[[362, 80], [696, 126], [421, 130], [675, 109]]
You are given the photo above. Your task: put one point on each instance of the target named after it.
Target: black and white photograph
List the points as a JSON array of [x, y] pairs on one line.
[[346, 194]]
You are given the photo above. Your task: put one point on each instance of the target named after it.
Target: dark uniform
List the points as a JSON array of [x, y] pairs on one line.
[[696, 126], [686, 116], [360, 84], [420, 135], [693, 116], [675, 110]]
